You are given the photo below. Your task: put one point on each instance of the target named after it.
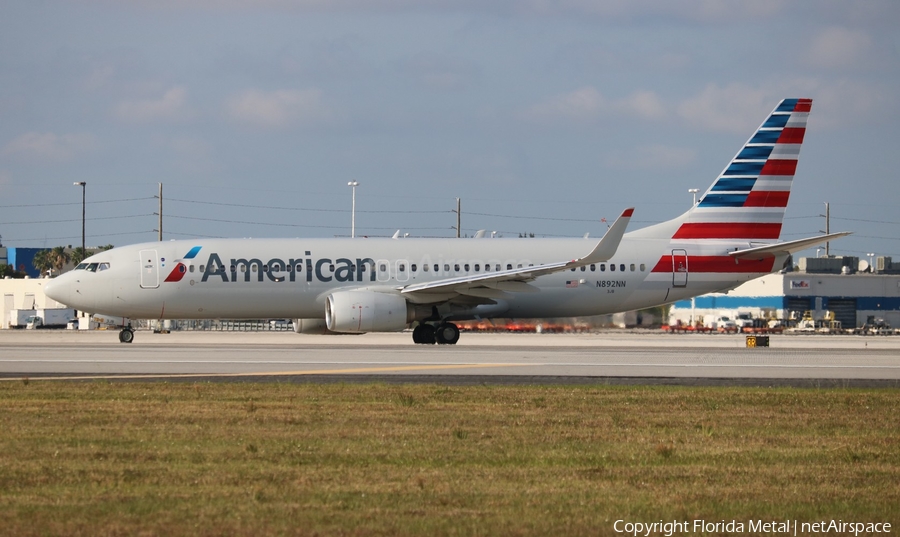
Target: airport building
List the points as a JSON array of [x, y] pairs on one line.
[[844, 289]]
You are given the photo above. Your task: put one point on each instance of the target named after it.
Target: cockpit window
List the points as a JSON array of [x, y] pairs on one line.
[[102, 267], [81, 266], [92, 267]]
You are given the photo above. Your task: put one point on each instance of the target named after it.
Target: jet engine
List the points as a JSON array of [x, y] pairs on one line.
[[357, 312], [310, 326]]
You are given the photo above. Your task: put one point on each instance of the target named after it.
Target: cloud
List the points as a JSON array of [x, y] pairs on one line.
[[652, 157], [440, 72], [171, 106], [280, 108], [588, 104], [49, 146], [727, 109], [837, 47]]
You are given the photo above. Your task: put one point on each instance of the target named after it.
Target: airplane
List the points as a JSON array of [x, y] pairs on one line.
[[360, 285]]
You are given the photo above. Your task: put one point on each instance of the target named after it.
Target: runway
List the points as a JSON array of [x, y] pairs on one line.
[[611, 357]]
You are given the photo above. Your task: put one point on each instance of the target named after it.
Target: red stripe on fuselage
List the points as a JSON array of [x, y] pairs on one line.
[[717, 264], [177, 273], [765, 198], [728, 230]]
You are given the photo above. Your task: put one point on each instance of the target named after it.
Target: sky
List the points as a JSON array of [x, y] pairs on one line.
[[542, 116]]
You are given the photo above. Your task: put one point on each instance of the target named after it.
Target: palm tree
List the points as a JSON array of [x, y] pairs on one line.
[[107, 247], [59, 257], [42, 261], [78, 255]]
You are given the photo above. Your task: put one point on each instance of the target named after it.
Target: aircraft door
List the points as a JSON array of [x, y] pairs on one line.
[[679, 268], [149, 269]]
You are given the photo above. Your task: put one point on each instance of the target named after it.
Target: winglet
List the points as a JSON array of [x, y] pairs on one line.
[[608, 245]]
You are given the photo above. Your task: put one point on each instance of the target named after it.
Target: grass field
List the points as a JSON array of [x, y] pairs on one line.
[[267, 459]]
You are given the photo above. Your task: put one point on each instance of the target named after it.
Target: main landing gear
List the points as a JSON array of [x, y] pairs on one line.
[[442, 334]]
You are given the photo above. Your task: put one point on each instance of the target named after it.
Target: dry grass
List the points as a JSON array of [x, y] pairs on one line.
[[235, 458]]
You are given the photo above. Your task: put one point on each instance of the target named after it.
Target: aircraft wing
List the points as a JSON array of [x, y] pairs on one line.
[[492, 284], [783, 248]]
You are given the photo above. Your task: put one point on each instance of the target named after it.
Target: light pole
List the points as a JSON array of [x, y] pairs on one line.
[[694, 192], [353, 185], [82, 185]]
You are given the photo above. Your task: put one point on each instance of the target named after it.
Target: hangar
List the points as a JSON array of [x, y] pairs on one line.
[[851, 290]]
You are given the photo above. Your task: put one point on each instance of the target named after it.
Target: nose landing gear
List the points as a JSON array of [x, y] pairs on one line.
[[126, 335]]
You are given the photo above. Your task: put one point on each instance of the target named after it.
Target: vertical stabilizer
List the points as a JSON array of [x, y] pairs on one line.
[[748, 199]]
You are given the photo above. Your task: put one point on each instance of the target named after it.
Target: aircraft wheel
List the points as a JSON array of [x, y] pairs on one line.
[[446, 334], [423, 334], [126, 335]]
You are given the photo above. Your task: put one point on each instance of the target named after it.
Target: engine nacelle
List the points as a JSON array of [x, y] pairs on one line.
[[356, 312], [310, 326]]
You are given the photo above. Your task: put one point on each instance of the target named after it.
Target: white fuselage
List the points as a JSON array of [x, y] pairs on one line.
[[291, 278]]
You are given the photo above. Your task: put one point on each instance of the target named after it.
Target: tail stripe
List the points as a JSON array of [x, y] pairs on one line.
[[760, 176], [729, 230]]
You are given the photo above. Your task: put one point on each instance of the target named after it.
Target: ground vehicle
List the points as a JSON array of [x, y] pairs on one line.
[[49, 318]]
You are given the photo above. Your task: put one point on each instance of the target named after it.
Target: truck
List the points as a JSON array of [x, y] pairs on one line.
[[50, 318], [19, 318]]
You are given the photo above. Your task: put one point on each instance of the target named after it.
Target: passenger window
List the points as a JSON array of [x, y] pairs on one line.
[[612, 267], [593, 268], [232, 268], [202, 268], [477, 267], [643, 267], [509, 266], [382, 268], [632, 267], [497, 267], [466, 267], [243, 268], [191, 268], [401, 267], [299, 268], [265, 268], [446, 268], [622, 267], [456, 267], [412, 267], [583, 268], [437, 267], [331, 267], [602, 267], [425, 268]]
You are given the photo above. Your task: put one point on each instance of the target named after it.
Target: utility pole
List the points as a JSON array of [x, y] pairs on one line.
[[458, 213], [827, 216], [353, 185], [83, 186], [160, 212]]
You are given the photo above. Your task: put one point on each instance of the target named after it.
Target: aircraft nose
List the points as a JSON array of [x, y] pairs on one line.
[[60, 289]]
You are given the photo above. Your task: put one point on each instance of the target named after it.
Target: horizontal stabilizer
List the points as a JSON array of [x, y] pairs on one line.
[[783, 248]]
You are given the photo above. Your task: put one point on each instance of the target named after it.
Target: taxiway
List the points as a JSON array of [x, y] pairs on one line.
[[612, 357]]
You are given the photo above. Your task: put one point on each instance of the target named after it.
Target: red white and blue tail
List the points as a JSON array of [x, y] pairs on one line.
[[749, 198]]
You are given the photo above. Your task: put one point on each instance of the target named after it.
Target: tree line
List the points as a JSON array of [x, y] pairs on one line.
[[52, 261]]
